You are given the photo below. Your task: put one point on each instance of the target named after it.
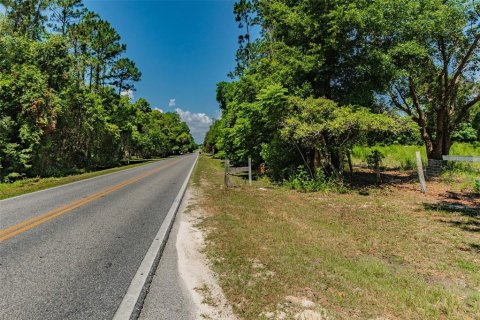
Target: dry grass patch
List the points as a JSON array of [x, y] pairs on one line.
[[390, 254]]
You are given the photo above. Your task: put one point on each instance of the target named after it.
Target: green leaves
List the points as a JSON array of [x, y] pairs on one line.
[[317, 120], [60, 103]]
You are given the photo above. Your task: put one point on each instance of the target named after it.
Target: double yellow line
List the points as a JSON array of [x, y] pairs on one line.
[[47, 216]]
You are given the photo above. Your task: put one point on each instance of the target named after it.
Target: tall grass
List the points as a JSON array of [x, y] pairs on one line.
[[403, 157]]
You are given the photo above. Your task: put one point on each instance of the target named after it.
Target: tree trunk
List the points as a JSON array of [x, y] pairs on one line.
[[350, 166], [341, 158], [317, 160], [439, 134]]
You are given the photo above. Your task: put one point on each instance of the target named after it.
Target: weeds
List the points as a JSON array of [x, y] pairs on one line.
[[304, 182]]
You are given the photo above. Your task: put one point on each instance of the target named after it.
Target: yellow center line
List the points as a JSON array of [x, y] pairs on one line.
[[47, 216]]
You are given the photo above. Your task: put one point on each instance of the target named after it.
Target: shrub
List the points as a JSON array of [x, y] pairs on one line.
[[374, 159], [14, 176], [302, 181], [465, 133], [220, 155]]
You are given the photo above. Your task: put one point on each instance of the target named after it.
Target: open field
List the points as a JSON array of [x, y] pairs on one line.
[[386, 252], [403, 157], [28, 185]]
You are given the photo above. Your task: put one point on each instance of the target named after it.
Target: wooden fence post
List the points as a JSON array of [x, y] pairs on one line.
[[250, 170], [227, 173], [421, 177]]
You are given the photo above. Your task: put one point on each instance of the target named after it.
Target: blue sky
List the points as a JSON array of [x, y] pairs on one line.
[[182, 48]]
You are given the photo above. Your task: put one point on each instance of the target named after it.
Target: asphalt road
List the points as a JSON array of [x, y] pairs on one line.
[[70, 252]]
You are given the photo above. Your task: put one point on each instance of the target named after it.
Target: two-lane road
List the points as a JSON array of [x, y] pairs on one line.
[[71, 252]]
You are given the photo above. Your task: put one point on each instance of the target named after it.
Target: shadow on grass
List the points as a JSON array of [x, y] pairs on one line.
[[367, 179], [471, 224], [475, 247]]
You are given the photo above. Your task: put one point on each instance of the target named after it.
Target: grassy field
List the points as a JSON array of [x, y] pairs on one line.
[[391, 253], [19, 187], [403, 157]]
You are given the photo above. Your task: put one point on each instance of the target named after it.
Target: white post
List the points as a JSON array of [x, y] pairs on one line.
[[226, 178], [421, 177], [250, 170]]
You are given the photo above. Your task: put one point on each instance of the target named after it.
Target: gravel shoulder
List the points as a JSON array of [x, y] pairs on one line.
[[184, 287], [200, 281]]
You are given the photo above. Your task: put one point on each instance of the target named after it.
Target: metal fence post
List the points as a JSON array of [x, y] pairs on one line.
[[250, 170]]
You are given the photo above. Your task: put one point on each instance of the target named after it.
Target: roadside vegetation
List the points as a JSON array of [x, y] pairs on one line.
[[27, 185], [65, 87], [371, 252], [401, 156], [318, 83], [332, 99]]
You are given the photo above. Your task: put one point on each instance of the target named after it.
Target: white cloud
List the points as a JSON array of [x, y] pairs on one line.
[[157, 108], [128, 93], [197, 122], [172, 103]]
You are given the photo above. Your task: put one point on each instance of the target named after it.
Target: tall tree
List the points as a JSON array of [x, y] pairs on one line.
[[246, 15], [123, 74], [434, 48], [27, 17], [65, 13]]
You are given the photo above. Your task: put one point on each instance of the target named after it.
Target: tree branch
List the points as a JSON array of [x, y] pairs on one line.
[[446, 62], [463, 111], [464, 61], [399, 106], [413, 95]]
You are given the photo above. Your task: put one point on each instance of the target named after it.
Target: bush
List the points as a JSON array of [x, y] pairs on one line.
[[14, 176], [282, 159], [374, 159], [465, 133], [302, 181], [220, 155]]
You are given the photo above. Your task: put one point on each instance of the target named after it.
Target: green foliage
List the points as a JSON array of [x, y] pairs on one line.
[[212, 136], [306, 89], [303, 181], [465, 133], [374, 159], [61, 108], [476, 185], [282, 158], [329, 129], [432, 50], [403, 156]]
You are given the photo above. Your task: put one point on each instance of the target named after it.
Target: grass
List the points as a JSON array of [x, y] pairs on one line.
[[403, 157], [388, 254], [24, 186]]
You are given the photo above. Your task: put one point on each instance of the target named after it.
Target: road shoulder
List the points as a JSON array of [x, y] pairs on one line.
[[184, 286]]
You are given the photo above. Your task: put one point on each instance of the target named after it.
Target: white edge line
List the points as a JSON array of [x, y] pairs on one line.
[[83, 180], [132, 302]]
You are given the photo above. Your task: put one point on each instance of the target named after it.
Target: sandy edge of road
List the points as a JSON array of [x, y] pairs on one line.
[[200, 281]]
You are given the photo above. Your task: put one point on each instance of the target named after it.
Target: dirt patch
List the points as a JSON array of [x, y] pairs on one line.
[[193, 267]]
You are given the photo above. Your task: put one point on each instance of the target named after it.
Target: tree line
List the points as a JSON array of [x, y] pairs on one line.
[[316, 77], [64, 86]]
